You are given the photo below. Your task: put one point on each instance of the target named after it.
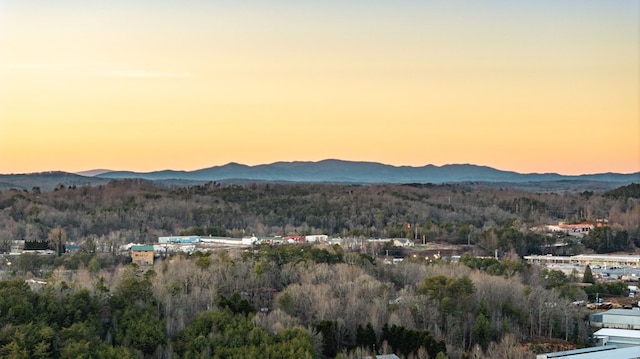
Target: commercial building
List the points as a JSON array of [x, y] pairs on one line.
[[547, 260], [179, 239], [616, 318], [317, 238], [612, 344], [245, 241], [621, 338], [142, 255], [579, 230], [606, 260], [587, 259], [606, 351]]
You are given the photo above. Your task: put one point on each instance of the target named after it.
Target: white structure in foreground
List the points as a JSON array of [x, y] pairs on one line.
[[605, 351], [616, 319], [613, 344], [621, 338]]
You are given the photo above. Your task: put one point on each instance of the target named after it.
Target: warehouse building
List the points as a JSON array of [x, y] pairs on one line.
[[142, 255], [616, 318], [586, 259], [621, 338], [606, 351]]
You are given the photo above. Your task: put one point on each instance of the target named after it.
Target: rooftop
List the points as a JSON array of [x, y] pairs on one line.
[[580, 352], [625, 333], [625, 312], [607, 257], [142, 248], [612, 352]]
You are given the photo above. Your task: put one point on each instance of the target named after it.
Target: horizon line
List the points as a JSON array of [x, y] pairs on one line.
[[105, 170]]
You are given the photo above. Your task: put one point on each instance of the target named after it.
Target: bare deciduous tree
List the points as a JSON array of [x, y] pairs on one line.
[[57, 239]]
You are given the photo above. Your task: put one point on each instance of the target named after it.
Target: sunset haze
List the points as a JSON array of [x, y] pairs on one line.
[[530, 86]]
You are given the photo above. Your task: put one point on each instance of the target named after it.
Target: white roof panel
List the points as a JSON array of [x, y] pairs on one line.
[[624, 333]]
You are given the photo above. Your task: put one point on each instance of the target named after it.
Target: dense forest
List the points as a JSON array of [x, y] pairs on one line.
[[489, 218], [291, 301], [297, 301]]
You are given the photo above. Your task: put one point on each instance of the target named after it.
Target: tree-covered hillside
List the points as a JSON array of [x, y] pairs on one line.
[[296, 301], [629, 191], [314, 302], [140, 211]]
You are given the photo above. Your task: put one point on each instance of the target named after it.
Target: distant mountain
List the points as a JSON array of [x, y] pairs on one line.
[[332, 170], [91, 173], [47, 181]]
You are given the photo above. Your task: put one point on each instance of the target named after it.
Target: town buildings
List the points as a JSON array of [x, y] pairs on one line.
[[611, 343], [621, 338], [586, 259], [599, 352], [142, 255], [616, 318]]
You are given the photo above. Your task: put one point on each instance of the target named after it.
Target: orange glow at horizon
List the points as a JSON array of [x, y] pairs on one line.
[[83, 87]]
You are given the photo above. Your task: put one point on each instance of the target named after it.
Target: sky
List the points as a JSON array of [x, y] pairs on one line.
[[527, 86]]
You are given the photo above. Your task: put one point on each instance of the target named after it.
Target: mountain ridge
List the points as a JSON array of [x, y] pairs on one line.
[[329, 171], [333, 170]]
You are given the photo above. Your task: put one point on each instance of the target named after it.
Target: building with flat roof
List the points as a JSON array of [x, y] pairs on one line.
[[605, 351], [179, 239], [142, 255], [606, 260], [586, 259], [621, 338], [616, 318], [548, 259], [245, 241]]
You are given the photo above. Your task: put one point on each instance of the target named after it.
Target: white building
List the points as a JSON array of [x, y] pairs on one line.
[[606, 351], [586, 259], [621, 338], [246, 241], [179, 239], [606, 260], [616, 318], [316, 238], [579, 230]]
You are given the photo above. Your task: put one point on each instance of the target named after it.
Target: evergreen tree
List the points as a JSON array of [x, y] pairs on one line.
[[482, 331], [588, 276]]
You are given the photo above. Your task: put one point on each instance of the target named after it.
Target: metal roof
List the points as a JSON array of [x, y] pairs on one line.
[[623, 333], [577, 352], [625, 312], [607, 257], [612, 352], [142, 248]]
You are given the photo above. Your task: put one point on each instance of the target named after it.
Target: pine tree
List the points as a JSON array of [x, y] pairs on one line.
[[588, 276]]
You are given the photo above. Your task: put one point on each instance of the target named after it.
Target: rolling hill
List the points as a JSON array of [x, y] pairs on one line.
[[332, 171], [364, 172]]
